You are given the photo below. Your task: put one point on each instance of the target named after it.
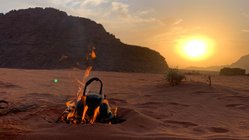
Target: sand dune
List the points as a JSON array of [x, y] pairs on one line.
[[151, 108]]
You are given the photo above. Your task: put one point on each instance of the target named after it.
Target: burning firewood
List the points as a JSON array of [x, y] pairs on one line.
[[89, 107], [92, 107]]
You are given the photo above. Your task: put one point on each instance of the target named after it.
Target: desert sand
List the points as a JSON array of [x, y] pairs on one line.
[[152, 109]]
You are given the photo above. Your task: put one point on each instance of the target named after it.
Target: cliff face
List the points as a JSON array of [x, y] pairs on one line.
[[39, 38], [243, 63]]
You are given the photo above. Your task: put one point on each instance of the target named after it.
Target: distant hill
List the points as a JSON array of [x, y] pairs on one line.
[[210, 68], [38, 38], [243, 63]]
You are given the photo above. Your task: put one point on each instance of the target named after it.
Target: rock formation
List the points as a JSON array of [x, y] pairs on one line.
[[232, 71], [38, 38], [243, 63]]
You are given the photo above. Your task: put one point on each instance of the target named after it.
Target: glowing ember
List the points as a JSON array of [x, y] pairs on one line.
[[93, 55]]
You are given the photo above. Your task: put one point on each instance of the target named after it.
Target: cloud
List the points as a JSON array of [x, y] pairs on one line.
[[120, 7], [245, 30], [94, 2], [122, 13], [245, 14], [73, 3], [178, 21]]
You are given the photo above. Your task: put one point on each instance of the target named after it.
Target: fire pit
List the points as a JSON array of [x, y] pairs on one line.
[[92, 107]]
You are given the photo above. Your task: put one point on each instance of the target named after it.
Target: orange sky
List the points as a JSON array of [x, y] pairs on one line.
[[159, 24]]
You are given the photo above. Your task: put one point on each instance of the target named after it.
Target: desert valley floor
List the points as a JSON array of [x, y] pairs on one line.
[[152, 109]]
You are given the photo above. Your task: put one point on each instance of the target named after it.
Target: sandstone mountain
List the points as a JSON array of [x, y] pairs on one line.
[[243, 63], [38, 38]]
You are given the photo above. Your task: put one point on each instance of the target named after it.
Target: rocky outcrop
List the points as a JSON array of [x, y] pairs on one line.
[[232, 71], [243, 63], [38, 38]]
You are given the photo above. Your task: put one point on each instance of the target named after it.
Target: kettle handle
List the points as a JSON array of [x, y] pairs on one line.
[[90, 81]]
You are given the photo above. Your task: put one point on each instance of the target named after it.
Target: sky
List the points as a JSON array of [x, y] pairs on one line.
[[161, 24]]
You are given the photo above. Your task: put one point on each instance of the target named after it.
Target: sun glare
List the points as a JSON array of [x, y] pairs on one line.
[[195, 48]]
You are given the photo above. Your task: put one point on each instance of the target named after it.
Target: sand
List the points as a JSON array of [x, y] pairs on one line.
[[152, 109]]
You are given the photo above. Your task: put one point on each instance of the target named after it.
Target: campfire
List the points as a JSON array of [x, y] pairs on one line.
[[89, 106]]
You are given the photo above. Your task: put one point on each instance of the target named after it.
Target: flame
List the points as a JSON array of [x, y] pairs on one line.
[[71, 109], [71, 105], [70, 112], [82, 83], [93, 55], [87, 72]]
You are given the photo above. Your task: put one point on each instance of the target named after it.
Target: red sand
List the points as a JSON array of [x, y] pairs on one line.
[[152, 108]]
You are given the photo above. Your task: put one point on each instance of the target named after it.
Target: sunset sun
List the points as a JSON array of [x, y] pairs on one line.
[[195, 48]]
